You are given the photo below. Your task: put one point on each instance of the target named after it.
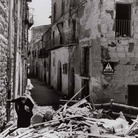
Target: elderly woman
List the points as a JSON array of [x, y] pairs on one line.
[[23, 107]]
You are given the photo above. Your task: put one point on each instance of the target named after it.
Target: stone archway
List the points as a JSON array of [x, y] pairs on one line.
[[59, 77]]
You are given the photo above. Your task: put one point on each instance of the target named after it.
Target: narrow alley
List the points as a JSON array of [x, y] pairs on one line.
[[69, 68], [43, 95]]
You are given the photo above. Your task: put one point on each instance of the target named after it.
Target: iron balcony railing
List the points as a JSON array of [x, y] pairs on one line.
[[123, 28]]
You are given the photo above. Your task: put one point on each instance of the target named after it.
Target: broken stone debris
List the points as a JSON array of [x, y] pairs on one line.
[[76, 121]]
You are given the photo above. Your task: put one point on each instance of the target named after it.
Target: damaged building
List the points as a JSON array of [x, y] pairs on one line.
[[15, 20], [93, 44]]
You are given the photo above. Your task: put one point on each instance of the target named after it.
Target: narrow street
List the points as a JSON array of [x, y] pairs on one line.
[[42, 95]]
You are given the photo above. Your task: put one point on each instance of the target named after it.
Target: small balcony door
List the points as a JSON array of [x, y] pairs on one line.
[[123, 20]]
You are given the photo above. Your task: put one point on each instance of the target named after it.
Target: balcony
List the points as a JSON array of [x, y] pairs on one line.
[[123, 28], [59, 41]]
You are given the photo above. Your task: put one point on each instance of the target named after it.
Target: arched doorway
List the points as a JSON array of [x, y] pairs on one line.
[[59, 77], [72, 82]]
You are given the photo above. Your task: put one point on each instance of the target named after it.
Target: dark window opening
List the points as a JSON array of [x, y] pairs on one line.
[[53, 38], [85, 62], [60, 28], [44, 64], [65, 68], [74, 30], [63, 8], [85, 91], [132, 95], [123, 20], [53, 61], [54, 12]]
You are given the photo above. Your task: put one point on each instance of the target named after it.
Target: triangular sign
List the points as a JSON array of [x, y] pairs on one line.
[[108, 68]]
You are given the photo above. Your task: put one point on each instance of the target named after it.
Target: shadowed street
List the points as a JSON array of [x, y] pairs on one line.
[[42, 95]]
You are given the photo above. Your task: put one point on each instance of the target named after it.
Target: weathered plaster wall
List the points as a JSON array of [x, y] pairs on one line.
[[96, 30], [60, 55], [121, 50], [89, 36], [96, 19]]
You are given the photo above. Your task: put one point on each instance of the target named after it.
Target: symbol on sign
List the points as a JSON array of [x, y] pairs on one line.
[[108, 68]]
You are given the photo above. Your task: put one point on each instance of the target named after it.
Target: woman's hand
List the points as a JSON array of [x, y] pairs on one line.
[[27, 108]]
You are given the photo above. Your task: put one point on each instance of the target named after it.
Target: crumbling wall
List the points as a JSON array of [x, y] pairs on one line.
[[96, 23], [89, 36], [122, 51]]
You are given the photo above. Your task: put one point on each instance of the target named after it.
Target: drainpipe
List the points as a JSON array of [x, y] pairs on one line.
[[9, 64]]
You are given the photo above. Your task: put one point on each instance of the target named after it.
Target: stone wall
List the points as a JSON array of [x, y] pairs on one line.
[[12, 59], [4, 8]]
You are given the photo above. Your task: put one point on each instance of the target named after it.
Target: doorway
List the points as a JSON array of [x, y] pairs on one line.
[[85, 91], [37, 71], [133, 95], [72, 82], [59, 77]]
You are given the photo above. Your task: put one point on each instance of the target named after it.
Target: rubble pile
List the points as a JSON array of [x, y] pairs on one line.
[[77, 121]]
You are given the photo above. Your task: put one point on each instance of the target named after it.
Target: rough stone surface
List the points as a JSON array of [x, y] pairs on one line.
[[7, 72]]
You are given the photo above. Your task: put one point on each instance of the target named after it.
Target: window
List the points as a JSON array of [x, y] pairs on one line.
[[53, 61], [54, 12], [123, 20], [63, 7], [53, 38], [85, 61], [65, 68], [44, 64], [60, 28], [74, 30]]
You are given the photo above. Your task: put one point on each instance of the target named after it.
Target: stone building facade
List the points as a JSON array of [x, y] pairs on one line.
[[14, 25], [94, 44], [35, 51]]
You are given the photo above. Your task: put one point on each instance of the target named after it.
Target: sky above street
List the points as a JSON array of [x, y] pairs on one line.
[[41, 11]]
